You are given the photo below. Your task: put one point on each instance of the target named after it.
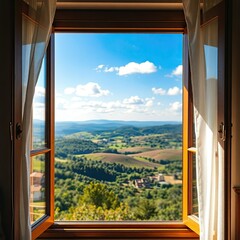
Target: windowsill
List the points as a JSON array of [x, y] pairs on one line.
[[115, 230]]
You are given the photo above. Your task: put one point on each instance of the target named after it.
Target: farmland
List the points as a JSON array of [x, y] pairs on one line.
[[119, 173]]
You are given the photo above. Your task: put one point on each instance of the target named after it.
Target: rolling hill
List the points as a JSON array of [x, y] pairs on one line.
[[127, 161], [165, 154]]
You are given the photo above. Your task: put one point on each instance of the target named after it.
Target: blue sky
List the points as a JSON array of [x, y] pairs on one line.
[[118, 77]]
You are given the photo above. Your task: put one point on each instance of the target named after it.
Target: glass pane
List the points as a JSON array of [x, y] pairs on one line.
[[194, 196], [37, 188], [39, 111], [210, 38], [118, 129], [208, 4]]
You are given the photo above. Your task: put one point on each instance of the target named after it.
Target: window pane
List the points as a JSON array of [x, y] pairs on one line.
[[210, 33], [39, 111], [37, 188], [118, 129]]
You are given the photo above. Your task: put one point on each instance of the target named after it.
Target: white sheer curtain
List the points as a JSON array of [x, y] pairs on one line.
[[203, 65], [35, 37]]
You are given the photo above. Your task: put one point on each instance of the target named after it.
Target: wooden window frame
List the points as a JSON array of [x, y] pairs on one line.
[[48, 219], [188, 149], [120, 21]]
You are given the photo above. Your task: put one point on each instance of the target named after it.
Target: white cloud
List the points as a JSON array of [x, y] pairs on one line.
[[131, 108], [112, 105], [57, 94], [131, 105], [130, 68], [90, 89], [159, 91], [69, 90], [176, 106], [137, 102], [171, 91], [60, 102], [39, 101], [111, 69], [133, 67], [149, 103], [99, 68], [94, 107], [76, 99], [39, 110], [38, 105], [133, 100], [174, 91], [177, 71], [39, 91]]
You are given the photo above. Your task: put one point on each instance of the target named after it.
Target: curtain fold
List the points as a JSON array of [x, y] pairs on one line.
[[36, 31], [209, 155]]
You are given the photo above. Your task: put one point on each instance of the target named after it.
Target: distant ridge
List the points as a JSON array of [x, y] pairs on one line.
[[122, 122], [65, 128]]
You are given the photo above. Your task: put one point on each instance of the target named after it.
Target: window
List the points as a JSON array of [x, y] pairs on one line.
[[152, 22], [118, 127]]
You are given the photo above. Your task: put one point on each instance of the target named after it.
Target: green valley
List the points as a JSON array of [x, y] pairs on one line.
[[119, 173]]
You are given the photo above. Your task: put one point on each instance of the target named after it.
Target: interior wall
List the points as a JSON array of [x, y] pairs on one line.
[[235, 110]]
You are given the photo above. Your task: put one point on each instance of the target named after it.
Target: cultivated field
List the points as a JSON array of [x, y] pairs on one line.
[[165, 154], [121, 159]]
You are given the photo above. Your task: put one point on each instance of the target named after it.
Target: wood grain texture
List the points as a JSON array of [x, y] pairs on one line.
[[119, 231], [118, 21]]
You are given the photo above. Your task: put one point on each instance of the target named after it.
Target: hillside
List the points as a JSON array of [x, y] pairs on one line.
[[130, 131], [166, 154], [134, 150], [121, 159]]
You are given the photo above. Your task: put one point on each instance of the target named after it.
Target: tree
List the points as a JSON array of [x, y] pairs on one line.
[[98, 194], [146, 210]]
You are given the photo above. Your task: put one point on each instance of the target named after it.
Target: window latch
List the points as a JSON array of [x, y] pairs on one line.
[[18, 131], [222, 132]]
